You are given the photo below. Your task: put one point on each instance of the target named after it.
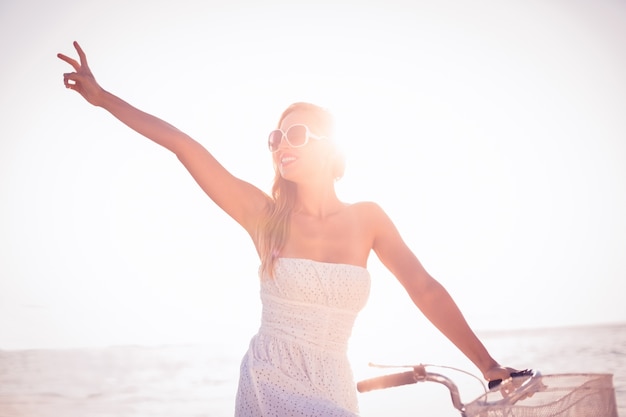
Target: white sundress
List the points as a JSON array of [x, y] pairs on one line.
[[297, 364]]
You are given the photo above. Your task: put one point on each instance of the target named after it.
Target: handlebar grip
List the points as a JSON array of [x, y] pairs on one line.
[[526, 372], [387, 381]]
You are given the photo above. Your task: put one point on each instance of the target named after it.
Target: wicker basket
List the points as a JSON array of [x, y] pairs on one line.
[[562, 395]]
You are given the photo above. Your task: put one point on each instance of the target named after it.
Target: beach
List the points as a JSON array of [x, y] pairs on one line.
[[197, 381]]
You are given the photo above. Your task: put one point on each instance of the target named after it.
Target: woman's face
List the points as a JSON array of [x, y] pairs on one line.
[[311, 162]]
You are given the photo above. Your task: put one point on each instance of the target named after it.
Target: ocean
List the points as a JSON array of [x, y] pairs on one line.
[[195, 381]]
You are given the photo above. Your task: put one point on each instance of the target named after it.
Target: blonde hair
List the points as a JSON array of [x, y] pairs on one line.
[[275, 228]]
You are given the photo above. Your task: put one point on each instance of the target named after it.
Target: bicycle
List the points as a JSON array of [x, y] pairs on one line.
[[526, 393]]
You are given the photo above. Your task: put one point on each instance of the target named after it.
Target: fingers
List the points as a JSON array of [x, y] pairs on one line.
[[70, 61], [81, 54], [69, 80], [72, 80], [75, 64]]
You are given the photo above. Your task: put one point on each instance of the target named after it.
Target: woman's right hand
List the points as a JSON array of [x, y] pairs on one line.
[[82, 79]]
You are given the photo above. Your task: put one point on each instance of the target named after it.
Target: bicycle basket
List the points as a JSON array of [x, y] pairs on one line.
[[557, 395]]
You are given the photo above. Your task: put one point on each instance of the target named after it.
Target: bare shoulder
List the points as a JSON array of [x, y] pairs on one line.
[[369, 215], [373, 220]]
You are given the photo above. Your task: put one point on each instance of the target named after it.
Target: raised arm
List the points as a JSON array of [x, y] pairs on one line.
[[430, 296], [241, 200]]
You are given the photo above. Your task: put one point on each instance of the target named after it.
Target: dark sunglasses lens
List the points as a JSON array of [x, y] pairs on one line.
[[273, 141], [297, 135]]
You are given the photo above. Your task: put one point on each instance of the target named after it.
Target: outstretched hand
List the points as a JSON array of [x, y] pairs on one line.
[[82, 79]]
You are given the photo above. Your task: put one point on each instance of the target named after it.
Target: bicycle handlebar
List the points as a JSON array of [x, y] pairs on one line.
[[419, 374], [526, 372], [387, 381]]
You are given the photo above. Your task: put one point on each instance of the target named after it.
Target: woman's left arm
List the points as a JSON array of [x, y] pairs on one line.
[[430, 296]]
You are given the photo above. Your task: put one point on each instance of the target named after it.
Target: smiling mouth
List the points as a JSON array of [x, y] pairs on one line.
[[286, 160]]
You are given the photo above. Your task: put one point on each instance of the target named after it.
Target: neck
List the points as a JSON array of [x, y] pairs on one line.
[[317, 201]]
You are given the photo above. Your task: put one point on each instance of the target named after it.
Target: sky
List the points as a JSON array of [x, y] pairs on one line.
[[493, 135]]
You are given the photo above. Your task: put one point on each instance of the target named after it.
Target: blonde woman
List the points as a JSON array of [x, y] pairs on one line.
[[313, 250]]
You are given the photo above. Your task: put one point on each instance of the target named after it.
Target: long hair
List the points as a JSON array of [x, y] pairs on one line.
[[274, 230]]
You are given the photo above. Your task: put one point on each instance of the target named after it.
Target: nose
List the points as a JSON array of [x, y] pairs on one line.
[[283, 144]]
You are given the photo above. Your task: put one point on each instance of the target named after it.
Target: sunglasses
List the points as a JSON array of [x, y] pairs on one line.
[[296, 136]]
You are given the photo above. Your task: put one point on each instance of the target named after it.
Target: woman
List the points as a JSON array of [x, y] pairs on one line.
[[313, 250]]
